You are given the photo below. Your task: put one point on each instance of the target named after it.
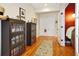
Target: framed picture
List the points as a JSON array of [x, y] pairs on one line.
[[21, 13]]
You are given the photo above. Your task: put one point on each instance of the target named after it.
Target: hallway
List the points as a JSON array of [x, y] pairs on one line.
[[41, 32], [57, 49]]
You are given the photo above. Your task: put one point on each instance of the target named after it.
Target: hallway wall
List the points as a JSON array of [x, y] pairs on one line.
[[61, 27], [12, 10], [77, 30], [48, 21]]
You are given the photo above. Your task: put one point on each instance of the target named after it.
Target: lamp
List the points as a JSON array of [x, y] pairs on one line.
[[2, 13], [1, 10], [73, 15]]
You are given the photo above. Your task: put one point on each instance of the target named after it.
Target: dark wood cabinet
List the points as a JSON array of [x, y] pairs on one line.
[[13, 37], [31, 33]]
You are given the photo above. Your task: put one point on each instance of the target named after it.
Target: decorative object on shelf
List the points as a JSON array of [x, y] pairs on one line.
[[2, 13], [21, 13], [2, 10], [34, 19], [18, 17], [3, 17]]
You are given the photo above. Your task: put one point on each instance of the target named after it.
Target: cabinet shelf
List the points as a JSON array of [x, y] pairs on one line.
[[13, 42]]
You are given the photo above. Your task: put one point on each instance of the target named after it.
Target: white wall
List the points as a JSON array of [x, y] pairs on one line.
[[61, 31], [12, 10], [47, 21], [77, 30], [38, 26]]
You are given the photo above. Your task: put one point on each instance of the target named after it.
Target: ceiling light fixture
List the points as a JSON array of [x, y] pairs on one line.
[[45, 4], [46, 10]]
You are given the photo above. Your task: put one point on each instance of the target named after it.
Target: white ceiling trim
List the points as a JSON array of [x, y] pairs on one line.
[[50, 7]]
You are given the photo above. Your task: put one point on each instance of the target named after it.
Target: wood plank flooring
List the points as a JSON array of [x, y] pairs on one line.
[[57, 49]]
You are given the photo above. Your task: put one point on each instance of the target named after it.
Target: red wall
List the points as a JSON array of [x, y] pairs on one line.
[[69, 19]]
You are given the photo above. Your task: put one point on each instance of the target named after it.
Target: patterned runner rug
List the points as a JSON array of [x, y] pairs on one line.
[[45, 49]]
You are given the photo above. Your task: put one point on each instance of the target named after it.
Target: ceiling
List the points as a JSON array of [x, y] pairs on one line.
[[48, 7]]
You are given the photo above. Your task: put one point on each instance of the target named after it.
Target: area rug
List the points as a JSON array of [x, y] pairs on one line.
[[45, 49]]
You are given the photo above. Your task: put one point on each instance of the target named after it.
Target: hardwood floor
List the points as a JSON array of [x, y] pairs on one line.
[[31, 49], [62, 51], [57, 49]]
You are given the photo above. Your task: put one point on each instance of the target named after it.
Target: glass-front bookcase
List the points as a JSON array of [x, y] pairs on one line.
[[13, 37]]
